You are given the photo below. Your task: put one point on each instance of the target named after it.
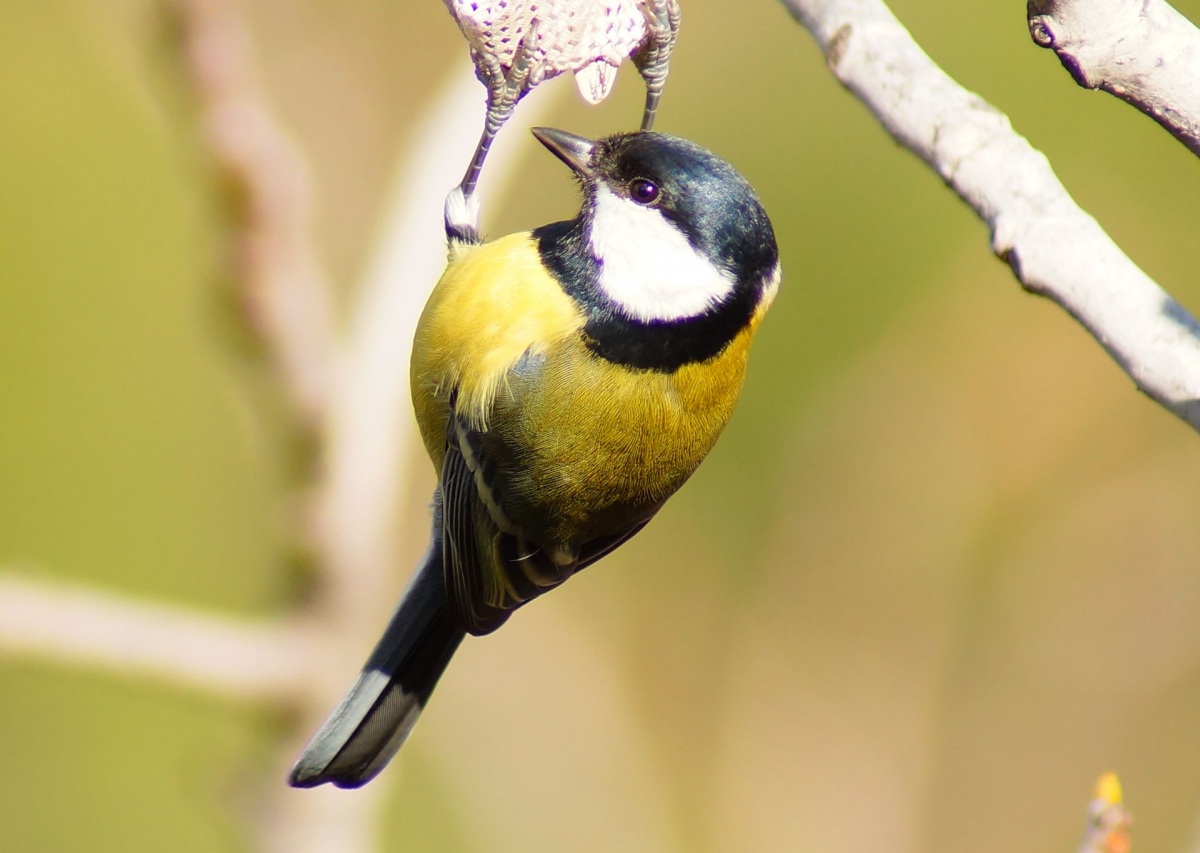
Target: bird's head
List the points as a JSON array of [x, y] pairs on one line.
[[675, 231]]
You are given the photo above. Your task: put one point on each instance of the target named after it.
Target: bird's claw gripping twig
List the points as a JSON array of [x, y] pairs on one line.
[[505, 90]]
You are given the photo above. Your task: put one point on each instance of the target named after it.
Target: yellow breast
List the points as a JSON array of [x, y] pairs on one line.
[[493, 303]]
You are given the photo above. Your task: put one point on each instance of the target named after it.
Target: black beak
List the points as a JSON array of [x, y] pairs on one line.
[[573, 150]]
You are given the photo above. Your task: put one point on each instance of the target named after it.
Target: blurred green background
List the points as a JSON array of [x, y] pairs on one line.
[[942, 570]]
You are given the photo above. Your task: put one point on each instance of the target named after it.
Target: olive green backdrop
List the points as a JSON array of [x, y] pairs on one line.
[[942, 570]]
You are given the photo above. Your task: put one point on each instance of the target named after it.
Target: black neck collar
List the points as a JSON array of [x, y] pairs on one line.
[[663, 346]]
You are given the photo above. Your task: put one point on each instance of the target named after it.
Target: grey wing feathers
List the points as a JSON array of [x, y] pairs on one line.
[[470, 539]]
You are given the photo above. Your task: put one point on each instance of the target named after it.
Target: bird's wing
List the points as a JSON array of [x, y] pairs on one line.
[[491, 568], [597, 548], [471, 540]]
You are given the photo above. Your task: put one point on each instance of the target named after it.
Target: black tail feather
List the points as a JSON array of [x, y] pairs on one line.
[[377, 714]]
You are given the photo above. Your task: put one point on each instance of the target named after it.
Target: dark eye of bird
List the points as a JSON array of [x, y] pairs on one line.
[[643, 191]]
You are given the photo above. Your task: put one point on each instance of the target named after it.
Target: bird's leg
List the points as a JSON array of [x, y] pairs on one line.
[[662, 24], [504, 92]]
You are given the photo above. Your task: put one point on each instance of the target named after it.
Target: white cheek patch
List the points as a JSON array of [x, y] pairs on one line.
[[648, 267]]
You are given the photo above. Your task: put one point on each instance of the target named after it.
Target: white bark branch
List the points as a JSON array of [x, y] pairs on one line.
[[263, 660], [1142, 51], [1054, 248]]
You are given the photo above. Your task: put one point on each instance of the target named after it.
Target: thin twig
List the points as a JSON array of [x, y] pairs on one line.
[[1142, 51], [1054, 248], [261, 660]]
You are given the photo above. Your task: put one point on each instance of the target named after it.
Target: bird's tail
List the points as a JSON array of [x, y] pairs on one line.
[[374, 719]]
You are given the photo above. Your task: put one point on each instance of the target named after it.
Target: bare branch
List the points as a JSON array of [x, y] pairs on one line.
[[287, 297], [244, 659], [1142, 51], [1054, 248]]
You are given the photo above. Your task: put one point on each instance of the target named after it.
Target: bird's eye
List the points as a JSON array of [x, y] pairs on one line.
[[643, 191]]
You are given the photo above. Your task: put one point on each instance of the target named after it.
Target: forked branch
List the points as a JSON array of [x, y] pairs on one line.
[[1054, 248]]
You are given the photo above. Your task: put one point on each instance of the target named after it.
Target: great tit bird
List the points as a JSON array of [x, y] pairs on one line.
[[566, 381]]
